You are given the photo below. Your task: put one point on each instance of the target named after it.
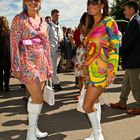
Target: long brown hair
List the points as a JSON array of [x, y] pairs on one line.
[[105, 9], [4, 25]]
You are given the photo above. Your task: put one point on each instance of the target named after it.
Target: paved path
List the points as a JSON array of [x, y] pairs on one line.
[[62, 121]]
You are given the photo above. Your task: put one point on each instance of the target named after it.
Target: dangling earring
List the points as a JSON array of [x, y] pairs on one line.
[[25, 8], [102, 11]]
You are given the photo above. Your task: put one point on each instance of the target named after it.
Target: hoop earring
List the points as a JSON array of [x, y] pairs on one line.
[[102, 11], [25, 8]]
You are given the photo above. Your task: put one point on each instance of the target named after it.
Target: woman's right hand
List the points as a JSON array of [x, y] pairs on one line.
[[110, 78], [16, 74]]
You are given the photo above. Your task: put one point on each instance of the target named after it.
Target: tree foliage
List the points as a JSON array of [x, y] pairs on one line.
[[117, 9]]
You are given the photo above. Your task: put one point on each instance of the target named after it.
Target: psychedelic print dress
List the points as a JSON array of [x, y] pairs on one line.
[[102, 48], [30, 50]]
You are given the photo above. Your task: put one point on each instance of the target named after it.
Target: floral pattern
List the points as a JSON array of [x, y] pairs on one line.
[[32, 61], [80, 60]]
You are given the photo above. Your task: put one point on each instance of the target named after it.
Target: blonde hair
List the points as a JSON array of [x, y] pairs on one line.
[[23, 4]]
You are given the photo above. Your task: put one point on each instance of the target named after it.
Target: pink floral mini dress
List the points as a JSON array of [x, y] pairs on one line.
[[30, 50]]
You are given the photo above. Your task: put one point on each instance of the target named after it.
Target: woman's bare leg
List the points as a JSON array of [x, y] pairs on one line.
[[92, 97], [80, 83], [35, 91]]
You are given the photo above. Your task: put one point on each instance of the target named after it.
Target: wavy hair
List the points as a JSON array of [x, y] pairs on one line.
[[105, 9], [4, 25]]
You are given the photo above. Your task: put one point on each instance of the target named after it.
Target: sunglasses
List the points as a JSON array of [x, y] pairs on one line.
[[32, 0]]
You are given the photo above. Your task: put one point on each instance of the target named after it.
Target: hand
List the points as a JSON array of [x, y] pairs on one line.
[[110, 78], [16, 74], [50, 76], [70, 36]]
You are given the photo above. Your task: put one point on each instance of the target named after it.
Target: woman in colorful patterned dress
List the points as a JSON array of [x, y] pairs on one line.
[[102, 45], [31, 59]]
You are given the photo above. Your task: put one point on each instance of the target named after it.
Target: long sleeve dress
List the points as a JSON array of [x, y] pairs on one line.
[[30, 50], [102, 48]]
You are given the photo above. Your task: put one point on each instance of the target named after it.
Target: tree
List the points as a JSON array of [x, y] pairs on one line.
[[117, 9]]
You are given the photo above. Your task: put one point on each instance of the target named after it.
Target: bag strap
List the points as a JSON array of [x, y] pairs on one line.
[[49, 83]]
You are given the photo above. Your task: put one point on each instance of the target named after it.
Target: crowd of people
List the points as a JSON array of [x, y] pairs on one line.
[[34, 50]]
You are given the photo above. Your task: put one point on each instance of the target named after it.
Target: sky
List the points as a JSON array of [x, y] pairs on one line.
[[70, 10]]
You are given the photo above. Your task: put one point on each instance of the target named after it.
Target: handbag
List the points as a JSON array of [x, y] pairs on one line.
[[48, 95], [81, 101]]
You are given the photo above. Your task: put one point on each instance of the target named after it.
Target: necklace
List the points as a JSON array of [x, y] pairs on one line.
[[34, 26]]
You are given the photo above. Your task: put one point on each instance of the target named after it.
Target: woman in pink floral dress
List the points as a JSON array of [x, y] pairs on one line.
[[30, 59]]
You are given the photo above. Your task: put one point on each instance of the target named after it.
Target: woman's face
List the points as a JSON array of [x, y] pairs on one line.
[[33, 5], [94, 9]]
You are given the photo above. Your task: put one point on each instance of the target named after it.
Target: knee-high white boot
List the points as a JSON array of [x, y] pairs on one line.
[[102, 102], [96, 126], [33, 112], [98, 107], [39, 134]]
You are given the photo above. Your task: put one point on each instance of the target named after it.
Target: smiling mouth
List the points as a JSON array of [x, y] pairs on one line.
[[34, 6]]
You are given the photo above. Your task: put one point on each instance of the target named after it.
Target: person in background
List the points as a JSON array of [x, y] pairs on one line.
[[5, 65], [63, 50], [48, 19], [31, 60], [86, 23], [56, 37], [61, 67], [130, 59], [101, 63], [69, 47]]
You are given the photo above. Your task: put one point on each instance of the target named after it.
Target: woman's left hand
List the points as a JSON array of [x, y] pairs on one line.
[[50, 76]]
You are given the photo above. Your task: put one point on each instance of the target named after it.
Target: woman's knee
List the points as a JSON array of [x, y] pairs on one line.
[[87, 108], [36, 93], [37, 99]]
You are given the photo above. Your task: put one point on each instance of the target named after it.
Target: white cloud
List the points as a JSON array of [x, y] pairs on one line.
[[70, 10]]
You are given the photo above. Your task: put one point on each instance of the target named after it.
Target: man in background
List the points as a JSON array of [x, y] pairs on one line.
[[48, 19], [55, 36], [131, 59]]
